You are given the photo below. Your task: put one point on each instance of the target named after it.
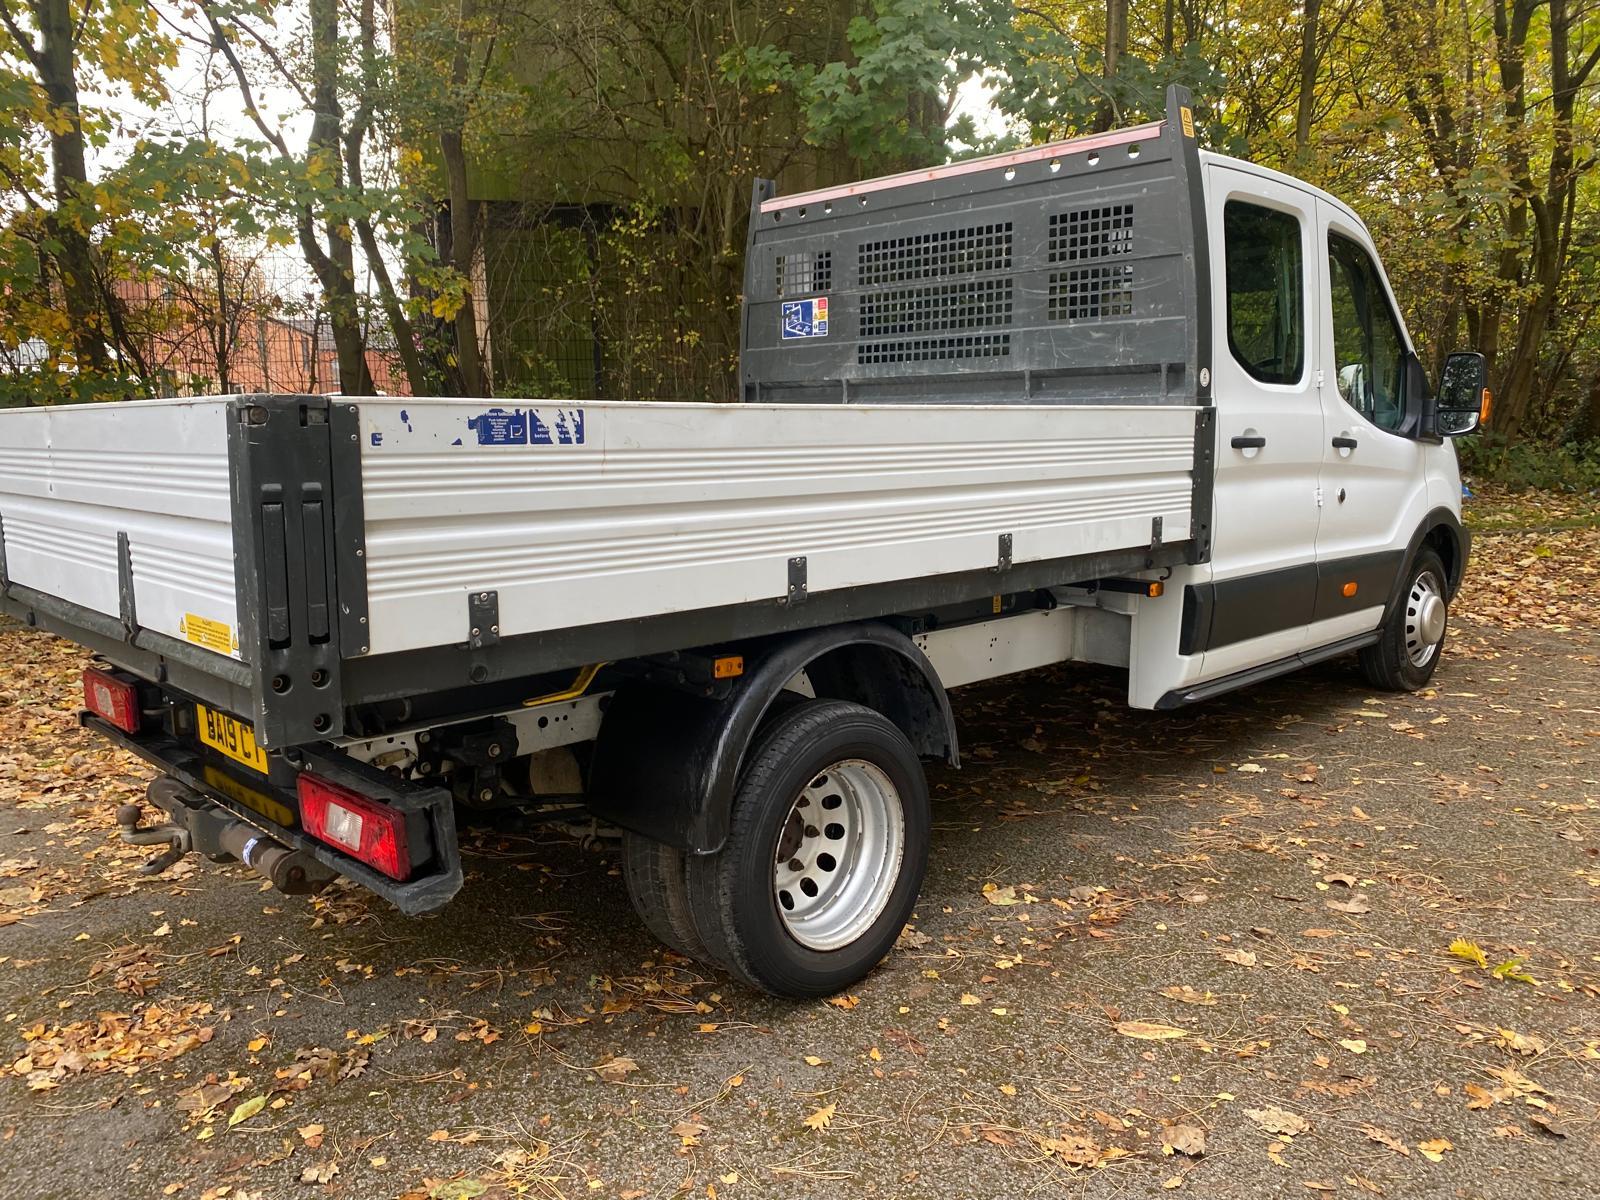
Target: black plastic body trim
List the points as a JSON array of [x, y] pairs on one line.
[[1180, 103], [667, 762], [280, 462], [1248, 606]]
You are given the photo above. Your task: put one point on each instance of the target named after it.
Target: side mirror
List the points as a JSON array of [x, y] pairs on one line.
[[1464, 399]]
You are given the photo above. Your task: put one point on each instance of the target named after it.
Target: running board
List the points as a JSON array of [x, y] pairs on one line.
[[1178, 697]]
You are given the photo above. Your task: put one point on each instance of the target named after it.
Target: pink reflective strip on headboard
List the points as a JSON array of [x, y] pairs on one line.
[[1098, 141]]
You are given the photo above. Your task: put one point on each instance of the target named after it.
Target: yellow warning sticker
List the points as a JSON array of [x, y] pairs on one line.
[[1187, 117], [212, 635]]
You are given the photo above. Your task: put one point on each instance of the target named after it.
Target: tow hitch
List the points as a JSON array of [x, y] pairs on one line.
[[199, 825]]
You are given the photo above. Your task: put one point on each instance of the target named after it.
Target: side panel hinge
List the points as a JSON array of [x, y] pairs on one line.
[[1003, 553], [483, 619]]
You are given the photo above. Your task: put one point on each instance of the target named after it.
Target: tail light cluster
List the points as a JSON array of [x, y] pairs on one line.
[[112, 699], [362, 828]]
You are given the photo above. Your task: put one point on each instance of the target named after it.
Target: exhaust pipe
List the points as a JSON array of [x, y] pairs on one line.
[[199, 824]]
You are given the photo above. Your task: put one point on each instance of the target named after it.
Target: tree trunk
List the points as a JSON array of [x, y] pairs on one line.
[[1116, 46], [1308, 75], [463, 228], [1589, 427], [460, 251], [56, 64], [336, 267]]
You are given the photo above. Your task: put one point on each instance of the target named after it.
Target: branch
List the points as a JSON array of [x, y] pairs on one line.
[[219, 39], [24, 42]]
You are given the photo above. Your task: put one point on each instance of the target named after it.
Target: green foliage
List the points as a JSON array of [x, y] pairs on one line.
[[1530, 465]]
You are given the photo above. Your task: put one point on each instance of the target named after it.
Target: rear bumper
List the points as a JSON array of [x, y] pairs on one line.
[[272, 807]]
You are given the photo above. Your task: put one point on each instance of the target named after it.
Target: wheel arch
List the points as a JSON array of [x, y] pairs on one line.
[[666, 762], [1440, 531]]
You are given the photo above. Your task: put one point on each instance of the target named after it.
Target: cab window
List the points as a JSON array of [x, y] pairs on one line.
[[1266, 291], [1368, 349]]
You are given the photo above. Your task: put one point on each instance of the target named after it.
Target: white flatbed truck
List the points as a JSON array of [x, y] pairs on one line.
[[1111, 400]]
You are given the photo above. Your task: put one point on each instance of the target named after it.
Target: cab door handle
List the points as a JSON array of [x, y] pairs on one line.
[[1344, 443], [1241, 442]]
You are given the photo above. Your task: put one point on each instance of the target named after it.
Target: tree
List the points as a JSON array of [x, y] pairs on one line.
[[58, 275]]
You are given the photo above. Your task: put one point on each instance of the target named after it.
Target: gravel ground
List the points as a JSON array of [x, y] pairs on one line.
[[1207, 952]]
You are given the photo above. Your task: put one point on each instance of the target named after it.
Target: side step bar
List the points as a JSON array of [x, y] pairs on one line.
[[1179, 697]]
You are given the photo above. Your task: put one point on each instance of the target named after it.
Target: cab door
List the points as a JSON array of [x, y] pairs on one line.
[[1373, 481], [1257, 607]]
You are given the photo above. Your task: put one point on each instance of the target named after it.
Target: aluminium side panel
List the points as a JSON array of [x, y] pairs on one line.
[[123, 509], [574, 515]]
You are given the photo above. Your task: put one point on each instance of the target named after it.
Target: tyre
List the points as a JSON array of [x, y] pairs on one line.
[[654, 875], [1406, 654], [826, 850]]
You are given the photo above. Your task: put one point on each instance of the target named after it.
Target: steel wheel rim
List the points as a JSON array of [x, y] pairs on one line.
[[838, 855], [1425, 619]]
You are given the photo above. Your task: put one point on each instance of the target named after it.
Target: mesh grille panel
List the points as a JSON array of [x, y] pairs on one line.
[[802, 273], [986, 345], [1091, 293], [973, 305], [931, 255], [1088, 233]]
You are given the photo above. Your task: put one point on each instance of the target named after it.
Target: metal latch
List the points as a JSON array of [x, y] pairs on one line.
[[483, 619], [797, 580]]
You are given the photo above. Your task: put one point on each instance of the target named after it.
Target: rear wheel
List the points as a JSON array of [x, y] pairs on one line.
[[826, 851], [654, 874], [1407, 653]]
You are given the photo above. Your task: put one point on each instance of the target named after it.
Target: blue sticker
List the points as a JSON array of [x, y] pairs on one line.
[[497, 427], [805, 318], [536, 427]]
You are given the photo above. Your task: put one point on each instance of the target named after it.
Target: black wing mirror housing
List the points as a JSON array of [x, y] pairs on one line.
[[1464, 399]]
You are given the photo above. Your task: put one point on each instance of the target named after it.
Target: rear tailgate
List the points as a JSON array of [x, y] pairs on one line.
[[123, 509], [190, 541]]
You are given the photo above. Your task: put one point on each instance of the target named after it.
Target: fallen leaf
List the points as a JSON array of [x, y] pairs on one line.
[[1512, 969], [844, 1002], [1149, 1031], [1520, 1043], [1548, 1123], [1278, 1120], [1000, 895], [1434, 1149], [1244, 958], [1384, 1138], [1187, 995], [1354, 1045], [1468, 952], [319, 1173], [247, 1110], [821, 1119], [1355, 906], [1183, 1139], [615, 1070]]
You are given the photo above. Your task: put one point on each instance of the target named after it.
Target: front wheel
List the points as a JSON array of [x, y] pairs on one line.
[[1406, 654], [826, 850]]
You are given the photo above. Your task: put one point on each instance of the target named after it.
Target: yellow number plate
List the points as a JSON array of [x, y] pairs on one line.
[[232, 737]]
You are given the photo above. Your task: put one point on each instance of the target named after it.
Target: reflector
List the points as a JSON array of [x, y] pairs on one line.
[[363, 828], [116, 700]]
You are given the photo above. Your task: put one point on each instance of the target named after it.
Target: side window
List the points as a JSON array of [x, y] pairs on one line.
[[1368, 350], [1266, 291]]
